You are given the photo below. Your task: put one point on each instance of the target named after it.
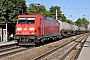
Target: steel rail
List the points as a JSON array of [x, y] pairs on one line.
[[3, 50], [47, 53], [12, 51], [71, 48]]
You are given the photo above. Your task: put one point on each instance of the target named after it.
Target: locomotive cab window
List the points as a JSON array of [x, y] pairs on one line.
[[26, 20], [31, 20], [21, 20]]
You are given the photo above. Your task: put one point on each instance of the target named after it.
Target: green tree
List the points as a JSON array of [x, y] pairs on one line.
[[63, 18], [82, 22], [78, 22], [52, 13], [85, 22], [69, 21], [39, 9], [10, 9], [2, 11]]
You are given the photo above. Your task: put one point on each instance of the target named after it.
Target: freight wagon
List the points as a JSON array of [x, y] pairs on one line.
[[34, 29]]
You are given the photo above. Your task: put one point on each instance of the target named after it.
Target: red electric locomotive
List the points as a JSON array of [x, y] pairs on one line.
[[34, 29]]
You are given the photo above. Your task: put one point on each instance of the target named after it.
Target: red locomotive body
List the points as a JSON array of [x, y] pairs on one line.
[[34, 28]]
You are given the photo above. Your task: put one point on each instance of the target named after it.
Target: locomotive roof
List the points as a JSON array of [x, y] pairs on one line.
[[29, 14], [47, 18]]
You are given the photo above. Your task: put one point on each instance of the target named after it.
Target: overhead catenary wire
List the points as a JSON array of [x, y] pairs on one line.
[[89, 4], [77, 6], [46, 3], [76, 9], [88, 1], [73, 8]]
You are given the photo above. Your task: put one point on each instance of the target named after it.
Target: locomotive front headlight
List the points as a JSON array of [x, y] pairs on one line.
[[31, 32], [19, 28], [32, 28]]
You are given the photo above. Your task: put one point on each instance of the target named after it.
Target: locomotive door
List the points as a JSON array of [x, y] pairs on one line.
[[42, 27]]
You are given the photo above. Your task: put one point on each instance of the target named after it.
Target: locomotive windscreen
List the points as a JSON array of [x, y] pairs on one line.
[[26, 20]]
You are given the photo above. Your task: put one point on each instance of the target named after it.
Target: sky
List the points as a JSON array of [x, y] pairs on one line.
[[73, 9]]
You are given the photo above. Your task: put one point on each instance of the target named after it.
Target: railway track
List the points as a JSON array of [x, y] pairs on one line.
[[10, 50], [59, 53], [46, 52]]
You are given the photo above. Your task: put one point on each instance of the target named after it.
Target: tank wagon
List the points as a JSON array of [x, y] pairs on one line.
[[66, 28], [33, 29], [75, 29], [69, 29]]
